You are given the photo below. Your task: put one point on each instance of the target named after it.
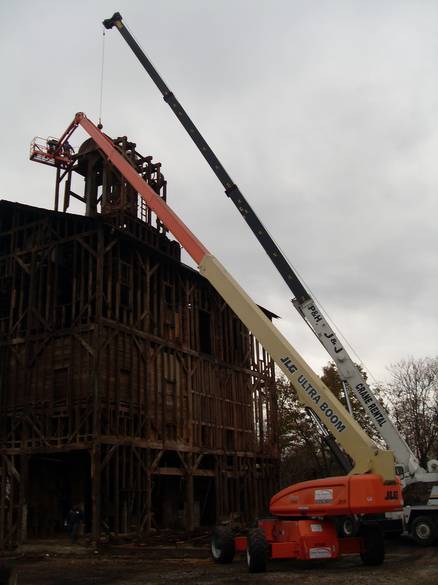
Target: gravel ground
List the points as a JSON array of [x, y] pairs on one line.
[[405, 564]]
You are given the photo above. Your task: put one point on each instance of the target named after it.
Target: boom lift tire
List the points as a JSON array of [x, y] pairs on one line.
[[373, 552], [257, 551], [424, 530], [222, 545]]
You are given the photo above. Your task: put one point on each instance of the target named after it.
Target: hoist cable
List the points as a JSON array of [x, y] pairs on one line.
[[101, 76]]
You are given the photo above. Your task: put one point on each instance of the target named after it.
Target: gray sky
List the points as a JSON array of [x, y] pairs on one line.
[[324, 113]]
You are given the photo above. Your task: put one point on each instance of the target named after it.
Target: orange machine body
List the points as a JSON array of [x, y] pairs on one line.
[[302, 540], [338, 496], [303, 527]]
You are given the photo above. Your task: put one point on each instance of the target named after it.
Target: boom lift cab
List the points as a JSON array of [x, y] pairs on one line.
[[50, 151]]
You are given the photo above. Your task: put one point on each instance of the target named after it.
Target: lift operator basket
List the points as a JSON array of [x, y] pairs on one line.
[[49, 151]]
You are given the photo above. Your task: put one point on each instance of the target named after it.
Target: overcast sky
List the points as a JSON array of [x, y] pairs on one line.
[[324, 113]]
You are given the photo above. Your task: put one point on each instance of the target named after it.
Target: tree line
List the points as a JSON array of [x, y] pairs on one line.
[[410, 397]]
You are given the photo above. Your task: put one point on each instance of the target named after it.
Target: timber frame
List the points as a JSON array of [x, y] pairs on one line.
[[127, 385]]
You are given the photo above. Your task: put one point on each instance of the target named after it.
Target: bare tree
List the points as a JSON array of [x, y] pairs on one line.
[[304, 453], [413, 398], [301, 449]]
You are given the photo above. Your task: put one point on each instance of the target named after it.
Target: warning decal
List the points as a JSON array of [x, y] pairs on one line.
[[323, 496], [322, 552]]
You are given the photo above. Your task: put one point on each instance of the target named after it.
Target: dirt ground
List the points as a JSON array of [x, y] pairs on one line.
[[405, 564]]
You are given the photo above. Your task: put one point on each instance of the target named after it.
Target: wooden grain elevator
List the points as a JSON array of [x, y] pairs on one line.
[[127, 385]]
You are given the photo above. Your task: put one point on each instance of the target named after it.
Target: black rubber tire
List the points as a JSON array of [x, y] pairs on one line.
[[257, 551], [222, 546], [424, 530], [373, 552]]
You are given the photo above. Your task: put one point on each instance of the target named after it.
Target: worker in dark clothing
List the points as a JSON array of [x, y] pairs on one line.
[[68, 149], [73, 523], [52, 143]]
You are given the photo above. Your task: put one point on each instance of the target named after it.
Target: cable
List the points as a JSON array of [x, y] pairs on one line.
[[326, 314], [101, 76]]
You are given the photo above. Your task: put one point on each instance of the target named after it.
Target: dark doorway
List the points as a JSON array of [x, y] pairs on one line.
[[168, 502], [57, 482], [205, 501]]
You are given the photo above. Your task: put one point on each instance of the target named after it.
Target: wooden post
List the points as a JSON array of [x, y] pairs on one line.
[[22, 501], [95, 492], [189, 519], [3, 519], [58, 173], [148, 491]]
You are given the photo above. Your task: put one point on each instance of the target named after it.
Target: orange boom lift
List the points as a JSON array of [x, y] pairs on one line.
[[303, 525]]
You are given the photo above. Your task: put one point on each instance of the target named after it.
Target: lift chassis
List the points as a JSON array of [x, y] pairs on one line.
[[303, 540], [305, 522]]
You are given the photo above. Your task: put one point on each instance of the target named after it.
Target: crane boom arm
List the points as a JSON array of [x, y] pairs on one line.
[[303, 301], [310, 389]]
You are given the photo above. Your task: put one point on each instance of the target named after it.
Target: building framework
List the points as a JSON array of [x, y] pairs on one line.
[[127, 386]]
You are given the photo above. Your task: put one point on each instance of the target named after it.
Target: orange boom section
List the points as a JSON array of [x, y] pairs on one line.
[[335, 496], [176, 226]]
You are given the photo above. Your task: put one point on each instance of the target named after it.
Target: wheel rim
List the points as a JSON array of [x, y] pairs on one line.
[[348, 527], [423, 531], [215, 551]]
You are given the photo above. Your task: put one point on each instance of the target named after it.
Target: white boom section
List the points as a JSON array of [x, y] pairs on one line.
[[349, 372], [311, 390]]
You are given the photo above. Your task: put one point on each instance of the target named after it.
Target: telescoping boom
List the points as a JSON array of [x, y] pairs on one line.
[[303, 525], [367, 457], [303, 302]]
